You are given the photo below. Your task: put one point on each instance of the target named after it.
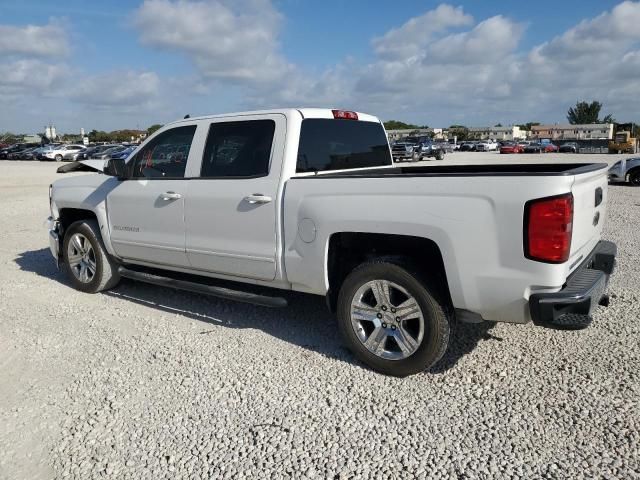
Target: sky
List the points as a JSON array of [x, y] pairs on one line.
[[130, 64]]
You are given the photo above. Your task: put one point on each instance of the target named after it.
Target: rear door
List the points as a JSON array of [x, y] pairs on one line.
[[146, 211], [231, 208]]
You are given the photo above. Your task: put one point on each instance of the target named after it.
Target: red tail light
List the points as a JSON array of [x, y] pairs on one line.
[[344, 115], [548, 224]]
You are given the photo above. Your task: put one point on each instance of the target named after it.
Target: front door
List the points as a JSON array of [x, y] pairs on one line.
[[146, 211], [230, 213]]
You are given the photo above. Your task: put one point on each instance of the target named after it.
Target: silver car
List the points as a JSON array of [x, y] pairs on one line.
[[626, 170]]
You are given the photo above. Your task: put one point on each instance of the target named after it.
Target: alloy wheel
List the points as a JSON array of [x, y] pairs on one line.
[[81, 258], [387, 320]]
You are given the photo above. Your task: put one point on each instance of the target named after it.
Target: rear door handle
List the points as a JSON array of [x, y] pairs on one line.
[[171, 196], [257, 199]]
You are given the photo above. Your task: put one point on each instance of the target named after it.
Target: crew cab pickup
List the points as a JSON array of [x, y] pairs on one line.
[[246, 205]]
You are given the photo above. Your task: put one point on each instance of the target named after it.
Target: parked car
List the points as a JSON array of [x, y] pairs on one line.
[[5, 152], [57, 152], [416, 149], [511, 147], [74, 154], [468, 146], [92, 150], [569, 147], [106, 154], [626, 170], [395, 261], [550, 148], [25, 154], [540, 148], [123, 154], [486, 146], [446, 147]]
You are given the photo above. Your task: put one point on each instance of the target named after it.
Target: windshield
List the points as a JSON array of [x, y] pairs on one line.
[[327, 144]]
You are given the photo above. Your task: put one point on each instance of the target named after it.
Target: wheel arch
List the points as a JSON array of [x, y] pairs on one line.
[[68, 215], [347, 250]]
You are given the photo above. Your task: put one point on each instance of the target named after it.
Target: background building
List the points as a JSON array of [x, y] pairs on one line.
[[497, 133], [593, 131]]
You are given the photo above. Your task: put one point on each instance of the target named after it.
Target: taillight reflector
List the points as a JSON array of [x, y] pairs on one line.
[[548, 228], [344, 115]]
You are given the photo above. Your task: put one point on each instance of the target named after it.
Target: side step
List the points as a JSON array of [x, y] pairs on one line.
[[221, 292]]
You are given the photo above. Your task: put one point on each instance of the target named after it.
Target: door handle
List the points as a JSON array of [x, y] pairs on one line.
[[171, 196], [257, 199]]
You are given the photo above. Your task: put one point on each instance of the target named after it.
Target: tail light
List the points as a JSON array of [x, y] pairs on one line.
[[344, 115], [548, 224]]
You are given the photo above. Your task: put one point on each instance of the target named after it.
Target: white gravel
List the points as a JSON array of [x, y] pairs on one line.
[[145, 382]]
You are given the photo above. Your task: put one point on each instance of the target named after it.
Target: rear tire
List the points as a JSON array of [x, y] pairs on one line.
[[86, 261], [634, 178], [440, 155], [371, 322]]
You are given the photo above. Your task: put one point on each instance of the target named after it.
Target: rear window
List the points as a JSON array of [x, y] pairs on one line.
[[327, 144]]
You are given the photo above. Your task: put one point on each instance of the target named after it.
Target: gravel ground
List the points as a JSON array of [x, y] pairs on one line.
[[145, 382]]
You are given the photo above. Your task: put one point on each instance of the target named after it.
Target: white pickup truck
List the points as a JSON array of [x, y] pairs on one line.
[[310, 200]]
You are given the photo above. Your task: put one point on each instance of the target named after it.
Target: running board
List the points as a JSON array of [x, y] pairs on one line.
[[221, 292]]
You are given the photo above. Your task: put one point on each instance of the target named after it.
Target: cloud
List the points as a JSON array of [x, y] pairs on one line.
[[411, 38], [34, 40], [489, 41], [117, 89], [227, 40], [29, 76]]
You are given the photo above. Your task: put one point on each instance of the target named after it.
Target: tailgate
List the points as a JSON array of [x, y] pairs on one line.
[[589, 207]]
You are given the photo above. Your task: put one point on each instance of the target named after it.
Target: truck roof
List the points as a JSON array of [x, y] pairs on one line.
[[288, 112]]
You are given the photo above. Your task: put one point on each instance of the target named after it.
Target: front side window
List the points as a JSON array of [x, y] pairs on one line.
[[166, 155], [238, 149]]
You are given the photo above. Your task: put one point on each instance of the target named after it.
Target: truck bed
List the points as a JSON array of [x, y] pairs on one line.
[[473, 213]]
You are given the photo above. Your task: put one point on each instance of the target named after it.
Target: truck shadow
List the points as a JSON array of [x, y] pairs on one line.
[[306, 322]]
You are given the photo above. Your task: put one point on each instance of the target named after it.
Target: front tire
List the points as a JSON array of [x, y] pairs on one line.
[[86, 261], [634, 178], [391, 320], [440, 155]]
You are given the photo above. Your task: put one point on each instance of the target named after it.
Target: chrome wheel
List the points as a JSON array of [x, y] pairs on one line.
[[81, 258], [387, 320]]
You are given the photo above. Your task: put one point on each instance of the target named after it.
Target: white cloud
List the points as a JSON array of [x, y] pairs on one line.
[[29, 76], [34, 40], [117, 89], [227, 40], [489, 41], [411, 38]]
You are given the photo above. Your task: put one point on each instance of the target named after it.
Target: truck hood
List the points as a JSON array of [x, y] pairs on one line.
[[83, 166]]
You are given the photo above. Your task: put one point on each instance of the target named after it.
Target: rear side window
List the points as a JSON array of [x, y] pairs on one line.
[[238, 149], [166, 155], [329, 144]]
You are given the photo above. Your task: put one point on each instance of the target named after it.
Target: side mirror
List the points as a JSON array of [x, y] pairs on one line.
[[116, 167]]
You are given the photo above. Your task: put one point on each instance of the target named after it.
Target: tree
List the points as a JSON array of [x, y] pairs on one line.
[[153, 128], [460, 131], [498, 125], [585, 113], [397, 125], [527, 126]]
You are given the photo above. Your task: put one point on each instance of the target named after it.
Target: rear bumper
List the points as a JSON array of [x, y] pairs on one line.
[[585, 289]]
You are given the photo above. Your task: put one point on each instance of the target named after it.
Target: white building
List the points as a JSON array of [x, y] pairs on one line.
[[497, 133], [602, 131]]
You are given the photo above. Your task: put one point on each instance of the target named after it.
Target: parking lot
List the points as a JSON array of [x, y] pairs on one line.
[[146, 382]]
